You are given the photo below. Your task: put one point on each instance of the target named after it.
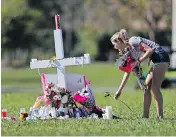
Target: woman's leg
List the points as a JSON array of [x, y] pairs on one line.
[[158, 76], [147, 95]]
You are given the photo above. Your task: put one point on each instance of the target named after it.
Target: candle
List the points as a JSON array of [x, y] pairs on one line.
[[109, 112], [22, 110], [4, 113], [104, 116], [53, 112]]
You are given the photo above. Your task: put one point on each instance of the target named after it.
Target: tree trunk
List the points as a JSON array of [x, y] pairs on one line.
[[152, 34], [10, 57], [28, 59], [151, 23]]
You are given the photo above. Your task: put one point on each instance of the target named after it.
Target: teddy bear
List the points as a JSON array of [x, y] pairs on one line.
[[23, 116]]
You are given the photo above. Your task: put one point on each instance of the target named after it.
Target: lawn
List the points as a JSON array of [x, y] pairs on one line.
[[101, 75], [129, 124]]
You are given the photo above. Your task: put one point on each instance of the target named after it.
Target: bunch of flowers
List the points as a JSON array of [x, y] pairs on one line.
[[81, 102], [127, 62], [84, 98], [128, 59], [61, 103], [58, 96]]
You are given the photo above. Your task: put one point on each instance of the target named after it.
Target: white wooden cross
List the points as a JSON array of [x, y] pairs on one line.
[[60, 62]]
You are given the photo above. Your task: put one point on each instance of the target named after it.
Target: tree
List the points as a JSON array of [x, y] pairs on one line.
[[68, 11], [155, 14], [18, 28], [105, 48]]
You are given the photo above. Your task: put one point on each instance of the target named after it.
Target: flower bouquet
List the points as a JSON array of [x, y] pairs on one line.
[[60, 103], [127, 62]]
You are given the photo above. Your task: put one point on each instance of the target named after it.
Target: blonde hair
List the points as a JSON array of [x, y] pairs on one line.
[[122, 34]]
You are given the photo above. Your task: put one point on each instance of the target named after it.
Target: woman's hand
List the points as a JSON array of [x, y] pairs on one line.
[[117, 94]]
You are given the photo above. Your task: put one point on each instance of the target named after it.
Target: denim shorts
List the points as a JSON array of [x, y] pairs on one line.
[[160, 57], [156, 64]]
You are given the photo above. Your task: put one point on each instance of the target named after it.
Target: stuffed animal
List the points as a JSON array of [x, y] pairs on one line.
[[23, 116]]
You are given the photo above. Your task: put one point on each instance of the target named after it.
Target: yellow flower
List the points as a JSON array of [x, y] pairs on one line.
[[53, 59]]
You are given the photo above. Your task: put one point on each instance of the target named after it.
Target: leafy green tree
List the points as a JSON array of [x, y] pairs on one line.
[[155, 15], [18, 28], [68, 11], [85, 24]]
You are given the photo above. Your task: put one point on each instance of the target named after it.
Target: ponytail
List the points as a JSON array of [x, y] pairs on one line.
[[121, 35]]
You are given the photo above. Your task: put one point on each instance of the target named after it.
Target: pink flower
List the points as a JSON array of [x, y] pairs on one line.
[[79, 98]]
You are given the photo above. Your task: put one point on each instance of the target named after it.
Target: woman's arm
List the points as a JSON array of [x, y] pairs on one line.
[[124, 80], [148, 52]]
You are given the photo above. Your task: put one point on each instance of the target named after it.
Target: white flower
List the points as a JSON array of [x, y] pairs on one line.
[[86, 94], [56, 97], [49, 91], [59, 90], [54, 88], [46, 87], [59, 97], [82, 94], [64, 99]]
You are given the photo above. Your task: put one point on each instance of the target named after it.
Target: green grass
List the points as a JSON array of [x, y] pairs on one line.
[[129, 124], [101, 75]]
